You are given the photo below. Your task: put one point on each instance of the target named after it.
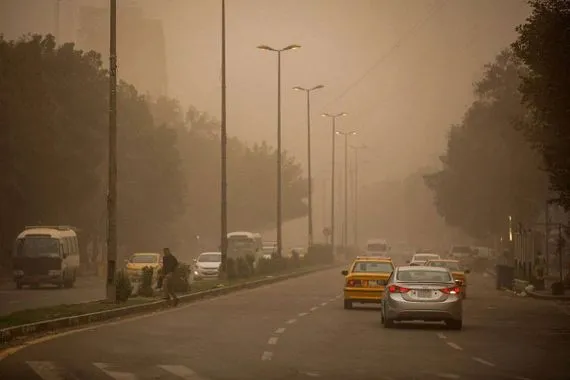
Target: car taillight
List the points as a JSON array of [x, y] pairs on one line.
[[397, 289], [353, 283], [453, 290]]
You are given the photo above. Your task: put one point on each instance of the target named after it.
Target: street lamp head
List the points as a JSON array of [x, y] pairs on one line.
[[317, 87], [352, 133], [338, 133], [265, 47], [342, 114], [297, 88], [291, 47], [326, 115]]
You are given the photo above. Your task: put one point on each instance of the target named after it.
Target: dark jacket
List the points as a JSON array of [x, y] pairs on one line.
[[169, 264]]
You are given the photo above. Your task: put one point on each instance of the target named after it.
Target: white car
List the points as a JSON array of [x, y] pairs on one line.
[[421, 258], [207, 265]]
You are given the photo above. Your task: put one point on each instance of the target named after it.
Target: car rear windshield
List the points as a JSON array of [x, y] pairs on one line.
[[372, 267], [144, 259], [425, 257], [210, 258], [377, 247], [451, 265], [419, 275]]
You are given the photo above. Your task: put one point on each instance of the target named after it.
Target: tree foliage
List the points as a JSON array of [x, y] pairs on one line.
[[489, 170], [543, 46], [53, 156]]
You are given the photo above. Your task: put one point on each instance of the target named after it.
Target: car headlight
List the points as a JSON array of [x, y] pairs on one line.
[[54, 272], [196, 273]]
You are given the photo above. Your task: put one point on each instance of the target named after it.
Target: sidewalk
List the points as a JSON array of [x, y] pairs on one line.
[[538, 294]]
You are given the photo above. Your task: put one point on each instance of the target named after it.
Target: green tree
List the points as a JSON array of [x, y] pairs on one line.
[[489, 170], [543, 46]]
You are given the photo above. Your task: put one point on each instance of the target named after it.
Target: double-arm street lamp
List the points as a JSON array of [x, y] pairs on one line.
[[310, 181], [346, 135], [279, 168], [333, 117]]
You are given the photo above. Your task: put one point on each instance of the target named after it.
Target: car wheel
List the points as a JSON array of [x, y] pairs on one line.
[[347, 304], [18, 285], [454, 324]]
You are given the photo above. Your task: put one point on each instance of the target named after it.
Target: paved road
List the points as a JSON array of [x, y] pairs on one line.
[[298, 330], [85, 289]]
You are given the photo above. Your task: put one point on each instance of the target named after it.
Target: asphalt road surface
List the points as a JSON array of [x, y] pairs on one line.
[[298, 329], [85, 289]]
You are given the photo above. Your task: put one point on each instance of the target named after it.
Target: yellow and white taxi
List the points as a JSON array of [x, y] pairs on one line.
[[365, 280], [136, 263], [456, 269]]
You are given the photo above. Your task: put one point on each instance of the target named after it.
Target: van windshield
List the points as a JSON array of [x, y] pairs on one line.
[[37, 247], [377, 247]]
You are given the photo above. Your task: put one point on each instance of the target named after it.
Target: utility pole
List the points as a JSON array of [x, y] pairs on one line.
[[279, 165], [112, 191], [332, 227], [310, 179], [224, 144], [547, 236]]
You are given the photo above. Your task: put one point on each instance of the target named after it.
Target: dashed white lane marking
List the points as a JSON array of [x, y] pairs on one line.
[[441, 336], [291, 321], [453, 345], [312, 374], [267, 355], [314, 308], [324, 303], [115, 374], [340, 295], [448, 376], [280, 330], [181, 371], [302, 314], [46, 370], [273, 340], [483, 361]]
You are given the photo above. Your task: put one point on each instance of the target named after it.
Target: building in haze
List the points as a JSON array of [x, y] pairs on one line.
[[140, 45]]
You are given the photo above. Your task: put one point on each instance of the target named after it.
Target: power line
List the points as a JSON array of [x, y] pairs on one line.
[[394, 47]]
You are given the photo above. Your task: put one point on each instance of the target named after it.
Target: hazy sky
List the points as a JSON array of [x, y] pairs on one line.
[[402, 69]]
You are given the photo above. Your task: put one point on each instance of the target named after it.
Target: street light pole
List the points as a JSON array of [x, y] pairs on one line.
[[224, 143], [332, 227], [279, 166], [310, 179], [346, 135], [112, 190]]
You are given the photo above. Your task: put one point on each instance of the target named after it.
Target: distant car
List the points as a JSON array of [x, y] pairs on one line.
[[365, 280], [135, 264], [457, 271], [426, 294], [421, 258], [207, 265]]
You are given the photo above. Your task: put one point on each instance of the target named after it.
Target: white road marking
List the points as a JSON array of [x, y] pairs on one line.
[[312, 374], [332, 299], [340, 295], [115, 374], [483, 361], [303, 314], [267, 355], [291, 321], [314, 308], [47, 370], [273, 340], [441, 336], [324, 304], [453, 345], [280, 330], [181, 371]]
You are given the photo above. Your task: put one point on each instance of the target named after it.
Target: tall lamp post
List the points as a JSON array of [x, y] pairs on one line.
[[346, 135], [112, 185], [310, 182], [223, 146], [355, 149], [279, 168], [333, 117]]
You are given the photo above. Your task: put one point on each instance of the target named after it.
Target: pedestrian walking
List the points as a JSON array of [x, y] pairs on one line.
[[169, 265]]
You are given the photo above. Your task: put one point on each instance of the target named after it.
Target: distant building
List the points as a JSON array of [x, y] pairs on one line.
[[140, 45]]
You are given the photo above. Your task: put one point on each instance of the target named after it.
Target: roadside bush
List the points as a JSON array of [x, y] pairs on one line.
[[295, 260], [250, 259], [123, 285], [181, 278], [242, 268], [319, 254], [145, 288], [231, 269]]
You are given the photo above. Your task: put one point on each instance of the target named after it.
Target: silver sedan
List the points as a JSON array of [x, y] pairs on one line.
[[418, 293]]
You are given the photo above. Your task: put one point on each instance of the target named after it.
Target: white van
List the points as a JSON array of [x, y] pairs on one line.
[[377, 247], [46, 255]]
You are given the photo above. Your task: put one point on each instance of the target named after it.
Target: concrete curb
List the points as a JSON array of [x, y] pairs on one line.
[[550, 297], [11, 333]]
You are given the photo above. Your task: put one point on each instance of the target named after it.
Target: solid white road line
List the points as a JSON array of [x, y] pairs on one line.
[[482, 361], [47, 370], [314, 308], [441, 336], [324, 304], [302, 314], [291, 321], [280, 330], [181, 371], [453, 345], [273, 340], [115, 374], [267, 355]]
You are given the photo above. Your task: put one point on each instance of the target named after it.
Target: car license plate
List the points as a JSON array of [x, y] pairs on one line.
[[373, 283], [424, 293]]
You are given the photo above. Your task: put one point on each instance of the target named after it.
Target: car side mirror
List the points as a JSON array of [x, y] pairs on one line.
[[344, 272]]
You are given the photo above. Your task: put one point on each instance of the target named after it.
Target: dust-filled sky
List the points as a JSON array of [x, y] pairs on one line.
[[402, 69]]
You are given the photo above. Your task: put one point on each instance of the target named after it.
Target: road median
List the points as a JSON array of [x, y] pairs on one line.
[[26, 323]]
